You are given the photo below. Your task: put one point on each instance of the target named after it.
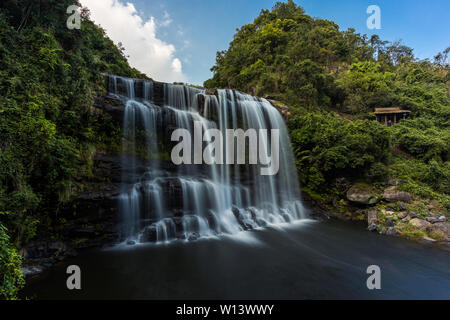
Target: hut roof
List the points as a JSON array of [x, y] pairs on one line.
[[390, 110]]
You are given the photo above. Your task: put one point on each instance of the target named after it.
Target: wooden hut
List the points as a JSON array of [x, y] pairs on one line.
[[390, 116]]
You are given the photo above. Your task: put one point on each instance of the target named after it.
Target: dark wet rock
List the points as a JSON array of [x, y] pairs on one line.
[[178, 212], [412, 214], [57, 246], [193, 237], [432, 219], [149, 234], [173, 192], [389, 222], [108, 168], [40, 255], [111, 105], [391, 231], [261, 222], [131, 243], [244, 222], [372, 227], [179, 227], [212, 220], [286, 217]]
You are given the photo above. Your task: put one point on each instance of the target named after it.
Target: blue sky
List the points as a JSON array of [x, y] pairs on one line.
[[197, 29]]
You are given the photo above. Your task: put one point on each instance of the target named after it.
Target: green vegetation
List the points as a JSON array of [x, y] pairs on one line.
[[332, 80], [49, 76], [11, 278]]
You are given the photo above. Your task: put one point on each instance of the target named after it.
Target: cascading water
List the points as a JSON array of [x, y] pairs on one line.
[[160, 202]]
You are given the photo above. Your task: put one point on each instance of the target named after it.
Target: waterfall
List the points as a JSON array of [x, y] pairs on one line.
[[160, 202]]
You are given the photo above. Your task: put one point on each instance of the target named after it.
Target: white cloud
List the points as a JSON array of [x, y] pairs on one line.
[[167, 20], [147, 53]]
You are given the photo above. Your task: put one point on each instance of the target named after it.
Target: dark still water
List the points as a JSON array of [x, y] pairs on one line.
[[306, 260]]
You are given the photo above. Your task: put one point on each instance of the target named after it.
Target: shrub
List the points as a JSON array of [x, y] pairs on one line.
[[11, 277]]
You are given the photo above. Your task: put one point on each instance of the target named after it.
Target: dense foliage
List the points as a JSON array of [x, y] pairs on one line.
[[11, 278], [332, 80], [48, 78]]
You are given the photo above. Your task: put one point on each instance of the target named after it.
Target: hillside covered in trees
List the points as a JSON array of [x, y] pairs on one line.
[[49, 76], [332, 80]]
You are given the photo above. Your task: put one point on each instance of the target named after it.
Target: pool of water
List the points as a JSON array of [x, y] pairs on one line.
[[305, 260]]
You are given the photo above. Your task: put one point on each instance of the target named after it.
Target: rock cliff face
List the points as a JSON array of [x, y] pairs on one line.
[[90, 220]]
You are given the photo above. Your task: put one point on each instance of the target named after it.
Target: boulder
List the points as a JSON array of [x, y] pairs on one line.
[[406, 219], [389, 222], [372, 217], [149, 234], [420, 224], [393, 195], [432, 219], [361, 194], [412, 214], [402, 215], [441, 228], [392, 231], [193, 236]]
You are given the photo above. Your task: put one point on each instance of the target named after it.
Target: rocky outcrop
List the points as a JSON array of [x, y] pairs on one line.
[[111, 105], [420, 224], [361, 194], [40, 255], [440, 230], [282, 108], [391, 194], [90, 220], [372, 219]]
